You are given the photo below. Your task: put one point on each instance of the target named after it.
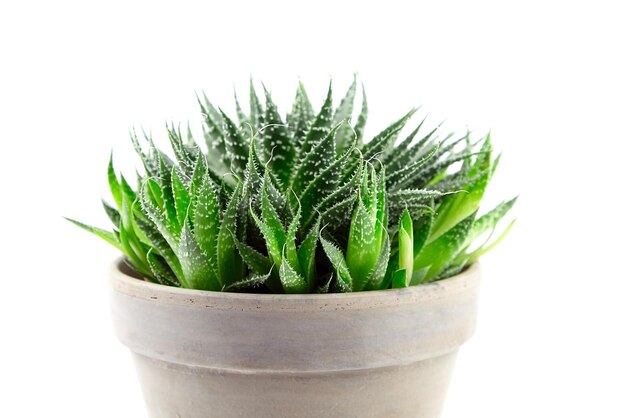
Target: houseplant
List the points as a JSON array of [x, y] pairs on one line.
[[294, 270]]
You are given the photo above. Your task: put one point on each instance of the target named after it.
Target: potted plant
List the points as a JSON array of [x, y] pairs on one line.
[[292, 269]]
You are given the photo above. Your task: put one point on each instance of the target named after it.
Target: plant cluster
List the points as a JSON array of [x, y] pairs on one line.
[[302, 204]]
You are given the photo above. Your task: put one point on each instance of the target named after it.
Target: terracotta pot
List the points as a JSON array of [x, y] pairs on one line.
[[204, 354]]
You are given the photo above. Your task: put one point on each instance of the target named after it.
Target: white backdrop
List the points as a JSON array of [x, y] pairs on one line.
[[547, 77]]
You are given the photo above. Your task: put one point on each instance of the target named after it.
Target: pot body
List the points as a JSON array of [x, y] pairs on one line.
[[369, 354]]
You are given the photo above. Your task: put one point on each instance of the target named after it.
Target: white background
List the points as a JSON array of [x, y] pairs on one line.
[[547, 77]]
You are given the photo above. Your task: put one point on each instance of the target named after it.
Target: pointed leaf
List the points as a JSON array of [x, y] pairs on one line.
[[359, 128], [161, 245], [306, 254], [229, 262], [207, 220], [236, 145], [279, 148], [108, 236], [161, 270], [376, 279], [301, 117], [114, 184], [361, 254], [249, 283], [291, 280], [181, 196], [321, 156], [345, 134], [438, 254], [321, 125], [197, 270], [256, 110], [405, 244], [485, 249], [112, 213], [338, 261], [489, 220], [256, 261]]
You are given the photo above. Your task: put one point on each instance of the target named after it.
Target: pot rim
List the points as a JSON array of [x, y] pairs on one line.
[[122, 279]]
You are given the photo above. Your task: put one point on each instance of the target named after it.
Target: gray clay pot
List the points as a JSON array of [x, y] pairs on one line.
[[383, 353]]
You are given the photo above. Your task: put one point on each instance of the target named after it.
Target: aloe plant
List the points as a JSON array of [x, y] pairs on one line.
[[302, 204]]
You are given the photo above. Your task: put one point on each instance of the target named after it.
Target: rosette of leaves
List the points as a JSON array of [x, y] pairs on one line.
[[301, 204]]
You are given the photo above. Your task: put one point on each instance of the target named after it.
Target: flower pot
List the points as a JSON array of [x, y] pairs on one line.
[[204, 354]]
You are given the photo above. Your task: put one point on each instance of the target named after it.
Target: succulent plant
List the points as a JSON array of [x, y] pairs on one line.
[[302, 204]]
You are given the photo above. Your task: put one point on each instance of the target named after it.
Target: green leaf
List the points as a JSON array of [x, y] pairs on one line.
[[185, 160], [229, 262], [405, 245], [291, 280], [457, 207], [321, 125], [256, 261], [438, 254], [345, 134], [136, 262], [154, 194], [339, 286], [133, 248], [338, 262], [382, 142], [301, 117], [403, 153], [290, 242], [359, 128], [235, 144], [319, 158], [249, 283], [339, 214], [402, 176], [407, 196], [149, 164], [200, 172], [161, 245], [271, 227], [156, 215], [279, 148], [207, 220], [381, 209], [323, 185], [108, 236], [399, 279], [489, 220], [196, 267], [472, 257], [273, 246], [361, 254], [213, 133], [241, 116], [421, 230], [181, 197], [256, 110], [376, 279], [306, 255], [165, 183], [342, 197], [112, 213], [114, 184], [161, 270]]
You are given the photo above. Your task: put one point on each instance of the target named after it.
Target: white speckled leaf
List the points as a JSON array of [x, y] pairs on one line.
[[196, 267], [338, 261]]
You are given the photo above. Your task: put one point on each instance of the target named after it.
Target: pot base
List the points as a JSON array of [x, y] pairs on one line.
[[172, 390]]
